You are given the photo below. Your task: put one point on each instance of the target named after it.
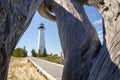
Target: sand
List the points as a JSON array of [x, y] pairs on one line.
[[22, 69]]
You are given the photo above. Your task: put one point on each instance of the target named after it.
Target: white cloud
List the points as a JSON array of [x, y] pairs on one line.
[[101, 38], [100, 32], [99, 21]]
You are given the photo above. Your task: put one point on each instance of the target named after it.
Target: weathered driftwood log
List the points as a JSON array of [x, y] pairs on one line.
[[85, 59], [107, 66], [78, 37], [15, 16], [80, 43], [45, 10], [79, 40]]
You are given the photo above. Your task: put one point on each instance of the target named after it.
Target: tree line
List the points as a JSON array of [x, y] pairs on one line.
[[20, 52], [39, 54]]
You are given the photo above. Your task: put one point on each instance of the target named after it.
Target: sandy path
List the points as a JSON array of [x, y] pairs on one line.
[[22, 69]]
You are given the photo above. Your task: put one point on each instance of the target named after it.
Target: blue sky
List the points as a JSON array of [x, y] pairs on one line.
[[52, 42]]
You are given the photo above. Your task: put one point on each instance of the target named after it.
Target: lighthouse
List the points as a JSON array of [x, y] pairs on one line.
[[41, 39]]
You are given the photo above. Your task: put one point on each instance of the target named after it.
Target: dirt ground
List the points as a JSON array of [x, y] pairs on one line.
[[22, 69]]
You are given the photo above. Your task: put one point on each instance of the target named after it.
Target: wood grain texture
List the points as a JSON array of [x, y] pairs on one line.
[[107, 66], [15, 16], [85, 58], [45, 10], [79, 46], [79, 39]]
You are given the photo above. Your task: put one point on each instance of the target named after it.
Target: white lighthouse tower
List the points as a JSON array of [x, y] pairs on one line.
[[41, 38]]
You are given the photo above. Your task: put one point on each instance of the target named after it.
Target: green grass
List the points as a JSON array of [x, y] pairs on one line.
[[53, 59]]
